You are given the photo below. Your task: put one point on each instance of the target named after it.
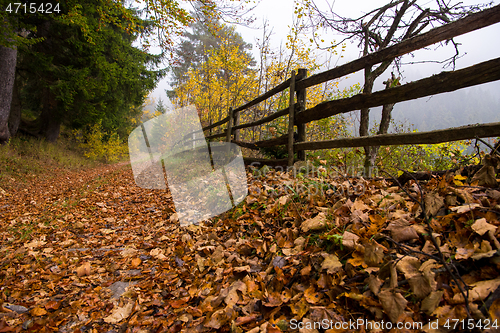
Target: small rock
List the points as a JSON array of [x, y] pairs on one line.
[[16, 308]]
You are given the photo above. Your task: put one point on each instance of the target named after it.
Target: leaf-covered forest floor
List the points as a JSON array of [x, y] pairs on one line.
[[89, 251]]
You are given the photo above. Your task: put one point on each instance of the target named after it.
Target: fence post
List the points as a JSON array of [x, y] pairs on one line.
[[229, 125], [236, 122], [291, 117], [301, 100]]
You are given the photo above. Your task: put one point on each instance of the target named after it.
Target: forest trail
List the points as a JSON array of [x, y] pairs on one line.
[[89, 251]]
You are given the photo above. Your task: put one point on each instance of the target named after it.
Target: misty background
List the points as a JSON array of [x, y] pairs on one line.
[[478, 104]]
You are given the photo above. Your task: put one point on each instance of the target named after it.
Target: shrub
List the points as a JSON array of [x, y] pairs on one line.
[[100, 145]]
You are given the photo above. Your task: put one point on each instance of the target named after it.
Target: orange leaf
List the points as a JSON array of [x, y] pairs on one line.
[[136, 262], [38, 311], [53, 305], [84, 269]]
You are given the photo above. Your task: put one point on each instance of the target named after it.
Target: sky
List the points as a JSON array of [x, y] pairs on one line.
[[478, 46]]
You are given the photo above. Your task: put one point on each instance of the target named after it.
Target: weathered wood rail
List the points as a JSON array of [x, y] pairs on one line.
[[298, 116]]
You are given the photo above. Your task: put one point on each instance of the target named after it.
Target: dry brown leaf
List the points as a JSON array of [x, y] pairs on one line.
[[350, 240], [357, 259], [494, 310], [485, 176], [433, 203], [359, 205], [53, 305], [374, 283], [128, 252], [34, 244], [84, 269], [430, 303], [374, 254], [422, 284], [300, 308], [315, 224], [158, 254], [273, 300], [464, 252], [37, 311], [331, 263], [393, 303], [465, 208], [480, 290], [401, 231], [312, 296], [482, 227], [232, 297], [119, 313], [307, 326]]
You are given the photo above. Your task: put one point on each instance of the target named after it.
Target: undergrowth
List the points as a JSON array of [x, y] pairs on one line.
[[24, 157]]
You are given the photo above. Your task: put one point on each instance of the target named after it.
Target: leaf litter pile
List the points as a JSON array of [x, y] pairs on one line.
[[92, 252]]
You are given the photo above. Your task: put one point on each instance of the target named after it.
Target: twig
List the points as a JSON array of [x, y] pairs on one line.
[[464, 292]]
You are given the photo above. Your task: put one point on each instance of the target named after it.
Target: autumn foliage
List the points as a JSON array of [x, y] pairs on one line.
[[91, 252]]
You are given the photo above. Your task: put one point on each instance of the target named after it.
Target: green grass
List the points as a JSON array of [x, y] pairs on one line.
[[24, 157]]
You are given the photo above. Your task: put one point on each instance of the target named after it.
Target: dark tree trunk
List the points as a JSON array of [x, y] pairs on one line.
[[15, 110], [49, 120], [8, 58]]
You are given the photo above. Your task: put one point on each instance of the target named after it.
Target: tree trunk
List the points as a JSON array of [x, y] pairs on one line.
[[8, 58], [385, 122], [15, 110], [49, 120]]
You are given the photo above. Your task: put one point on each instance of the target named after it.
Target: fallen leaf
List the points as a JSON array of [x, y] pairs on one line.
[[119, 313], [84, 269], [494, 310], [482, 227], [465, 208], [374, 253], [430, 303], [422, 284], [37, 311], [217, 319], [331, 263], [136, 262], [312, 296], [349, 240], [53, 305], [433, 203], [401, 230], [315, 224], [480, 290], [393, 303]]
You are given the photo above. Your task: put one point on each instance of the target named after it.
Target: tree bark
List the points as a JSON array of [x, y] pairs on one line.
[[8, 58], [49, 120], [15, 110], [372, 151]]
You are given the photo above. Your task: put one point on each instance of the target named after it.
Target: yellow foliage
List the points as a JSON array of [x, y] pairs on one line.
[[98, 144], [226, 79]]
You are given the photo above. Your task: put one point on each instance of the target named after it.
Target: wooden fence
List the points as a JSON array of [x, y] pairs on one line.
[[298, 116]]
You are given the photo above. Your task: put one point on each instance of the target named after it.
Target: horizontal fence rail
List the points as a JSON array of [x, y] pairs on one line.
[[484, 72], [298, 116], [431, 137], [469, 23]]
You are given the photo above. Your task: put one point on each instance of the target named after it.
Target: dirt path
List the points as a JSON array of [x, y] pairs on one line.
[[89, 251]]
